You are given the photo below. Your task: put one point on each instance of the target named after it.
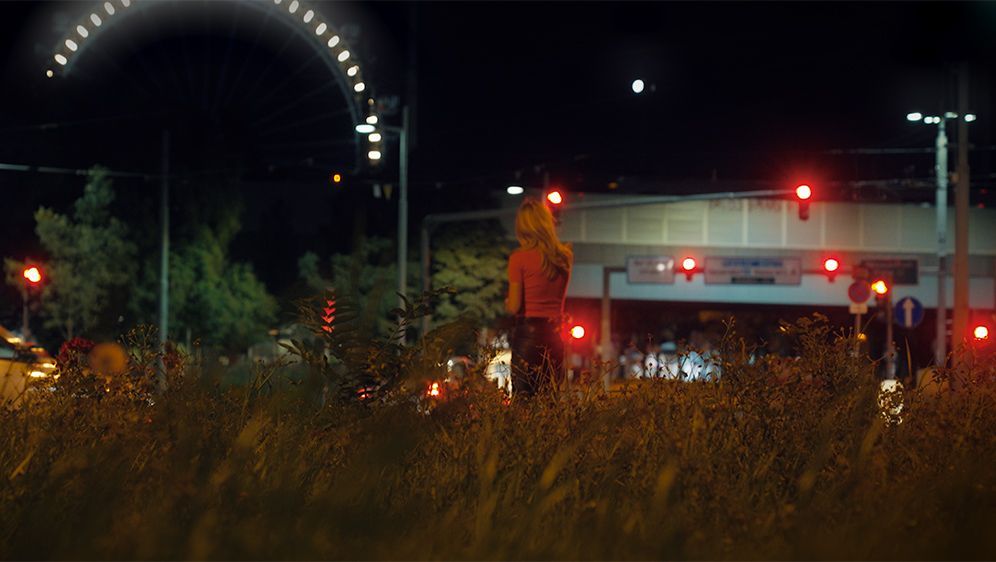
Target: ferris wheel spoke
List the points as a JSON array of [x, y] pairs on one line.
[[310, 120], [286, 80], [266, 71], [244, 65], [223, 75], [294, 104]]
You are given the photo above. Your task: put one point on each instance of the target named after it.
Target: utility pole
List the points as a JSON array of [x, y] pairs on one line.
[[403, 208], [941, 171], [164, 246], [960, 320]]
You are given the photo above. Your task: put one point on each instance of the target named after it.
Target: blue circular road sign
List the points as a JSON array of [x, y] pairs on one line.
[[908, 312]]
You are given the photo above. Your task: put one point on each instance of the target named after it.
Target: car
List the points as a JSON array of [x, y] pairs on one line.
[[20, 364]]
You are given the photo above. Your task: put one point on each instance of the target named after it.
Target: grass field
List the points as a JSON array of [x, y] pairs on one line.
[[781, 459]]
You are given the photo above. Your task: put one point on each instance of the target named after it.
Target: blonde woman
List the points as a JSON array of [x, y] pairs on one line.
[[538, 273]]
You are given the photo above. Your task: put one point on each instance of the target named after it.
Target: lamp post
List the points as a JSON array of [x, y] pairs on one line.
[[370, 128], [941, 203]]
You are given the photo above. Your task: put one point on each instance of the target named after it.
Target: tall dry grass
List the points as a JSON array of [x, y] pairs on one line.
[[780, 459]]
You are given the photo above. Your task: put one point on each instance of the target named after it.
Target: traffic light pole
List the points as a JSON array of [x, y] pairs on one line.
[[941, 171]]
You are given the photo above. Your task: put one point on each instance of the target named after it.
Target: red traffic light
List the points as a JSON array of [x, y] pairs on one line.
[[555, 197], [32, 274], [830, 265], [577, 332], [688, 264], [880, 287], [981, 332], [803, 192]]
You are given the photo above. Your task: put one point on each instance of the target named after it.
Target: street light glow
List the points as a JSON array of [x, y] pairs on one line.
[[638, 86], [109, 8], [372, 119], [365, 128], [95, 19], [84, 33], [333, 41], [351, 71], [555, 197], [969, 117], [72, 45], [515, 190], [374, 155], [577, 332], [321, 28], [915, 116], [803, 192], [32, 274], [831, 265], [61, 59], [49, 73], [688, 264], [308, 16], [374, 137], [343, 56], [981, 332], [293, 6], [880, 287]]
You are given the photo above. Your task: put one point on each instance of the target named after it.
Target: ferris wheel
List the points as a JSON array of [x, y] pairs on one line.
[[276, 78]]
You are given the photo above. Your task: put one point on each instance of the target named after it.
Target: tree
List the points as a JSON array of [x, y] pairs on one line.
[[90, 263], [220, 303], [473, 260]]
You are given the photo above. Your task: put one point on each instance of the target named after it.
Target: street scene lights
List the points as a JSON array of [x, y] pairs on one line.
[[803, 193], [515, 190], [830, 268], [981, 332], [577, 331], [32, 274], [555, 197]]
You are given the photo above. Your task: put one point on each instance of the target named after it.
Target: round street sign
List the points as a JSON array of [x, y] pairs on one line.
[[909, 312], [859, 292]]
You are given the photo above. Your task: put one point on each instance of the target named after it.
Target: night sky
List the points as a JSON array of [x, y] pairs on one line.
[[742, 93]]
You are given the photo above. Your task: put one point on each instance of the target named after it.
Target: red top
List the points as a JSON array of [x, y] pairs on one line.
[[542, 297]]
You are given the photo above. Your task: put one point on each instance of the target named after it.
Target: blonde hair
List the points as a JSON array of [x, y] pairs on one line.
[[534, 228]]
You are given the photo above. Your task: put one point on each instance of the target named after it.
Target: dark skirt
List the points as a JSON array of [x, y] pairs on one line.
[[537, 356]]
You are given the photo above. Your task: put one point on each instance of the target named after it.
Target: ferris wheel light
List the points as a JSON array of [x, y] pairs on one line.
[[374, 137], [109, 8], [374, 155], [61, 59], [343, 56], [293, 6], [359, 87], [333, 41], [82, 31], [351, 71], [308, 16], [72, 45], [321, 28], [372, 119], [95, 19], [365, 128]]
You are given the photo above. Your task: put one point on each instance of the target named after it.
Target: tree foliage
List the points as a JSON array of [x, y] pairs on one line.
[[90, 263], [219, 302], [473, 260]]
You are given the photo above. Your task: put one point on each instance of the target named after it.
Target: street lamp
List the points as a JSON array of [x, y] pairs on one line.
[[515, 190], [941, 203], [638, 86], [370, 128]]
